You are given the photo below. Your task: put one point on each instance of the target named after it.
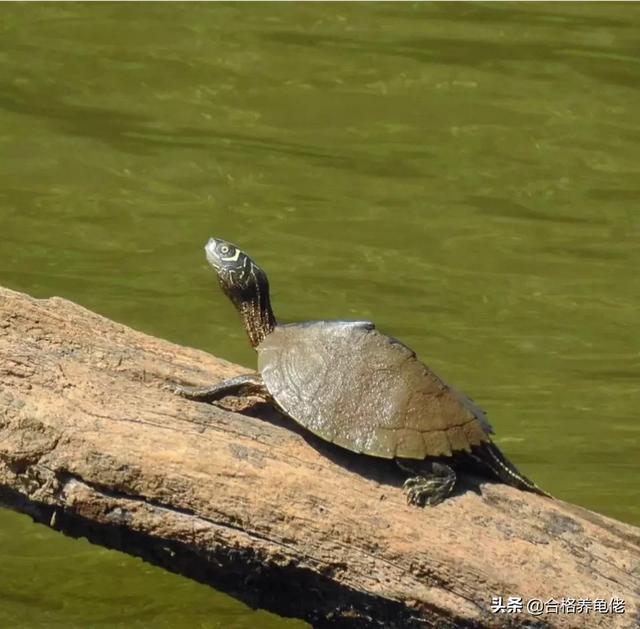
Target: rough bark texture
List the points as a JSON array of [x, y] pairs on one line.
[[91, 444]]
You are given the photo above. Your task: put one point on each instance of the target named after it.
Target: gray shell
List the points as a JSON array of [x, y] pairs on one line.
[[355, 387]]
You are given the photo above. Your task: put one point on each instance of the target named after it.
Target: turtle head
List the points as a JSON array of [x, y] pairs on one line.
[[245, 284]]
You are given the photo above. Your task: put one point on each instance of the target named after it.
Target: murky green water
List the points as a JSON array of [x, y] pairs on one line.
[[466, 176]]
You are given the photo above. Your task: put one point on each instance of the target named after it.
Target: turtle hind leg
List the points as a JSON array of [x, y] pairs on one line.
[[490, 457], [430, 488], [248, 384]]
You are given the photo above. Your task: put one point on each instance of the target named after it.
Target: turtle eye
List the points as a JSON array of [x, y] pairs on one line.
[[228, 253]]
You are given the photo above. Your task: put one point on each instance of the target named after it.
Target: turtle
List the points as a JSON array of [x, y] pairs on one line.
[[351, 385]]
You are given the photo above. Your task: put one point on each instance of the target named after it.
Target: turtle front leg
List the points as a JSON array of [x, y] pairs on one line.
[[248, 384], [429, 489]]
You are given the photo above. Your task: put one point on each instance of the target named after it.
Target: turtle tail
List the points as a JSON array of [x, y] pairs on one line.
[[489, 456]]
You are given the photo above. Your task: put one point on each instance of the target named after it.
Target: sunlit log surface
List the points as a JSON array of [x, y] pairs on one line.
[[92, 445]]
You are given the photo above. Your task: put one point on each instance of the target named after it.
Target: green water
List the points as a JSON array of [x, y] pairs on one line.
[[467, 176]]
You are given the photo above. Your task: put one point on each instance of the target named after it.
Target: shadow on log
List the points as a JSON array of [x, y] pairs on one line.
[[92, 445]]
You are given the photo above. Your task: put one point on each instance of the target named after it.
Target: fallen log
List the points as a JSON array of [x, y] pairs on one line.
[[93, 445]]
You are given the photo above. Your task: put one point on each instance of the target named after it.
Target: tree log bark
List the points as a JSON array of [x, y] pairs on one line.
[[93, 445]]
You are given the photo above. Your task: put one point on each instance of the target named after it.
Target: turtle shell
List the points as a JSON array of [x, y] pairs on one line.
[[353, 386]]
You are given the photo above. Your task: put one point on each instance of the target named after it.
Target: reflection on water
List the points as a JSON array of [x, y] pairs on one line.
[[464, 175]]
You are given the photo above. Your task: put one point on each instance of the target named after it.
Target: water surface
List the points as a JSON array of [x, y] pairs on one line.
[[467, 176]]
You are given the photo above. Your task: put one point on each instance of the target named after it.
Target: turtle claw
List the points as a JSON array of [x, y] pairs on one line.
[[430, 489], [184, 391], [422, 491], [180, 389]]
